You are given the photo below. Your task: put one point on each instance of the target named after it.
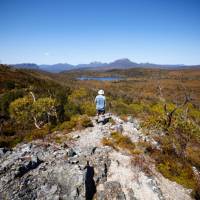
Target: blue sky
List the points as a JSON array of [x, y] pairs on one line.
[[81, 31]]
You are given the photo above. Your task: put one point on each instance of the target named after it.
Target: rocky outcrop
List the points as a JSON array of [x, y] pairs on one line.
[[38, 171], [82, 168]]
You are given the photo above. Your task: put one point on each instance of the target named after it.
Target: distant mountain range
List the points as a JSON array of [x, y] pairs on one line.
[[27, 66], [117, 64]]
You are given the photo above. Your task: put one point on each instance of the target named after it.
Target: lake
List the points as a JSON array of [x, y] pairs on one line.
[[99, 78]]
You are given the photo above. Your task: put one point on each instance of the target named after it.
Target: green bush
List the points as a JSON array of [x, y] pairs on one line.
[[37, 134], [6, 99], [76, 122], [20, 110], [43, 107], [67, 125], [78, 96], [85, 121], [120, 107], [122, 141], [194, 113], [88, 108], [10, 141], [193, 154], [136, 108], [71, 109], [188, 129], [117, 140], [9, 85], [177, 171]]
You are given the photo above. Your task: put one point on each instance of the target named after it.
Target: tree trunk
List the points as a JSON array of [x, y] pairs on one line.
[[36, 124]]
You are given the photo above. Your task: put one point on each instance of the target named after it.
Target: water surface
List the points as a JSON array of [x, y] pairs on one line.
[[99, 78]]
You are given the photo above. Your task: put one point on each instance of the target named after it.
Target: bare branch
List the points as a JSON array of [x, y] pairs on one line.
[[36, 123], [33, 96]]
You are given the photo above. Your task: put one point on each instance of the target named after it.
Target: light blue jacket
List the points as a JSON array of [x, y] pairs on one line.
[[100, 101]]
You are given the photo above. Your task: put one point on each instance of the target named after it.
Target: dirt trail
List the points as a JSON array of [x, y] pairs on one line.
[[133, 181]]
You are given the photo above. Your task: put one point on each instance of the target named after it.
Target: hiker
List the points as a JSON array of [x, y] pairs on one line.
[[100, 101]]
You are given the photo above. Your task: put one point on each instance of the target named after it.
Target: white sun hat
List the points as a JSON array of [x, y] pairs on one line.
[[101, 92]]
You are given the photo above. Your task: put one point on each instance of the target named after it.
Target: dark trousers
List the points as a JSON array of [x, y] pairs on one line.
[[102, 111]]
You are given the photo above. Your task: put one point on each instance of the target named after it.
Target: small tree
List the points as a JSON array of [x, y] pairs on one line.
[[20, 110], [44, 107], [28, 110]]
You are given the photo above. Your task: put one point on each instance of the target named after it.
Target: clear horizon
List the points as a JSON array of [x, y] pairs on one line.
[[76, 31]]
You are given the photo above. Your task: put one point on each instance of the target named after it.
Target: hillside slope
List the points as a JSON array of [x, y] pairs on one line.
[[83, 166]]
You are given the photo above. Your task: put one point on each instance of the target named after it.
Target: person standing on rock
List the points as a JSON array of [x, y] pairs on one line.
[[100, 101]]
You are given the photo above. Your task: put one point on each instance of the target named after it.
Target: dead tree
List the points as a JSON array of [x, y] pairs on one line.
[[170, 113], [37, 125]]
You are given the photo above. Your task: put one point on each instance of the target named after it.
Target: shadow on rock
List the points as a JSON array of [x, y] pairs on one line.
[[104, 119], [90, 188], [27, 166]]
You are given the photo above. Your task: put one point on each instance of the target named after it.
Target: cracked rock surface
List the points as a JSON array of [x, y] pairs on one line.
[[82, 168]]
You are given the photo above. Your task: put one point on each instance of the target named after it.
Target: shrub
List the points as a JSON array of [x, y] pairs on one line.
[[157, 109], [10, 141], [67, 125], [20, 110], [179, 172], [6, 99], [107, 142], [37, 134], [142, 163], [193, 154], [85, 121], [122, 141], [77, 96], [43, 107], [76, 122], [71, 109], [153, 122], [187, 129], [118, 140], [194, 113], [120, 107], [9, 85], [88, 108], [136, 108]]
